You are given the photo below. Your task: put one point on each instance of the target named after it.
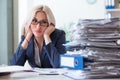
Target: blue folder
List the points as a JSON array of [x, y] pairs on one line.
[[72, 61]]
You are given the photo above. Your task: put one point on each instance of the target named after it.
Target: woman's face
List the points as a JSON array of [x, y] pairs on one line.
[[39, 24]]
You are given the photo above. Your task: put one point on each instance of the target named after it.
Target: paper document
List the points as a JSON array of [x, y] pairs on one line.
[[50, 71], [5, 69]]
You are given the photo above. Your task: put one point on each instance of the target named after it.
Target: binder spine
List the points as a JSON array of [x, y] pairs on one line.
[[109, 4]]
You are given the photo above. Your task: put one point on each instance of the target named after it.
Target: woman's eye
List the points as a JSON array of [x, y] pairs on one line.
[[34, 20], [44, 22]]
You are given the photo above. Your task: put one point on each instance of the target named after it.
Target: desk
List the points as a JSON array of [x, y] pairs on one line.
[[21, 73], [32, 76], [36, 76]]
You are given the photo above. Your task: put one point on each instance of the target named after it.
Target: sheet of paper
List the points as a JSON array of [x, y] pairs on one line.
[[4, 69], [50, 71]]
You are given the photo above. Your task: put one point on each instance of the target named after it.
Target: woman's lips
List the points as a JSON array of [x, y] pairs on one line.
[[38, 31]]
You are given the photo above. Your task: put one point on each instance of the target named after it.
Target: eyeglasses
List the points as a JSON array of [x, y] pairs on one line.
[[41, 23]]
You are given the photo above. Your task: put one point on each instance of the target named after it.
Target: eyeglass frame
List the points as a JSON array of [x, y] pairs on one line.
[[41, 22]]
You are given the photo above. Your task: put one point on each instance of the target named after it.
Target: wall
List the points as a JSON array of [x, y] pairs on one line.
[[6, 29]]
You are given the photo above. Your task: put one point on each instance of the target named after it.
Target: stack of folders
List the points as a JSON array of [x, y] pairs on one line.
[[110, 4], [98, 40]]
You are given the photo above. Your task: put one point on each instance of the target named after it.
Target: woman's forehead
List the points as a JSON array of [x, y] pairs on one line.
[[40, 15]]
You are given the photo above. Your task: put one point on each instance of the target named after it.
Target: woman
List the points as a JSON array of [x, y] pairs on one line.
[[41, 43]]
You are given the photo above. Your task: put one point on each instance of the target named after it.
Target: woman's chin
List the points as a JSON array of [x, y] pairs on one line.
[[38, 35]]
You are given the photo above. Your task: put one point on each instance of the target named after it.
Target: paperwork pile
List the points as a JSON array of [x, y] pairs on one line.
[[98, 40]]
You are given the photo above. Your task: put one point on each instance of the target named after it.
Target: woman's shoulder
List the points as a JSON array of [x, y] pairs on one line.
[[59, 31], [57, 34]]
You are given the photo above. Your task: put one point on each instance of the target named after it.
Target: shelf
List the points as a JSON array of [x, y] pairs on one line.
[[113, 10]]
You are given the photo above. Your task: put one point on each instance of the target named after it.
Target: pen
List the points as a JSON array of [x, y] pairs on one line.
[[49, 74]]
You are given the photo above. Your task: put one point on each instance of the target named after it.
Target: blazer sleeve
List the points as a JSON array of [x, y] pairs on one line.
[[54, 50], [19, 56]]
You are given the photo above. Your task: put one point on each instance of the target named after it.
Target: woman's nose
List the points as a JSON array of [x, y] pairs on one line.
[[38, 25]]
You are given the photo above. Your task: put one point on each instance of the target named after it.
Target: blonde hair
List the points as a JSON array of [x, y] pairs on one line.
[[31, 15]]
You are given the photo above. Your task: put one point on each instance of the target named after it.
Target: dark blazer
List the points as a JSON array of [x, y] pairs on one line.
[[50, 53]]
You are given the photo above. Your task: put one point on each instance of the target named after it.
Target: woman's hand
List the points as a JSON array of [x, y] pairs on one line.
[[50, 29], [29, 35], [27, 39]]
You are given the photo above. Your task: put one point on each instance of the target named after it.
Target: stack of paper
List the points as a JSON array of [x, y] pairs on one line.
[[98, 40]]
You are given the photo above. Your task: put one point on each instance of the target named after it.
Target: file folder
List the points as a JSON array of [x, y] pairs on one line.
[[72, 61]]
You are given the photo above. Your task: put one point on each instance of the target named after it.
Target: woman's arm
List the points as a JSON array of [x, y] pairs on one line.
[[54, 50], [19, 56], [27, 39], [48, 32]]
